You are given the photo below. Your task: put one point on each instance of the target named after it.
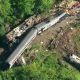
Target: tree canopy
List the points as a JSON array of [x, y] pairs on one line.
[[5, 12], [22, 8], [43, 5], [46, 66], [13, 10]]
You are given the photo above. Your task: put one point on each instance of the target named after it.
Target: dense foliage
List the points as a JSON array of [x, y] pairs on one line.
[[5, 12], [46, 66], [13, 11], [43, 5], [22, 8]]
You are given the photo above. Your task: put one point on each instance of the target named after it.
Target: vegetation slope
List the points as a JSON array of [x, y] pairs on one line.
[[47, 65]]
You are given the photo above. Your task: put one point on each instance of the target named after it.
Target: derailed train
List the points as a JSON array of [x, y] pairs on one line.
[[28, 39]]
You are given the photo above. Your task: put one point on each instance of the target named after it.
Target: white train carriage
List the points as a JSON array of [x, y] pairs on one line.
[[22, 46], [74, 59], [43, 26]]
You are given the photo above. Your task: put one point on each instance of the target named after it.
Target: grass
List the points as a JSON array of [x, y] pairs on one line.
[[46, 66]]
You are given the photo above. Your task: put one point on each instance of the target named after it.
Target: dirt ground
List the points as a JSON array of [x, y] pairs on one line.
[[66, 41], [56, 32], [49, 34], [65, 36], [63, 33]]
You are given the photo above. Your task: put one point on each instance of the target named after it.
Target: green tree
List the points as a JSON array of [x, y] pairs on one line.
[[43, 5], [2, 30], [22, 8], [5, 11]]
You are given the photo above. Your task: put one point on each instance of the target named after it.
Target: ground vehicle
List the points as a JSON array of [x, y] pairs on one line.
[[73, 58]]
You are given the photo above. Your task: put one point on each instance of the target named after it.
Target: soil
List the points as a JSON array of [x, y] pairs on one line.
[[66, 41], [64, 35], [49, 34]]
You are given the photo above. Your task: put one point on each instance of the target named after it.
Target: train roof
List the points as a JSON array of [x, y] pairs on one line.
[[40, 25], [19, 50]]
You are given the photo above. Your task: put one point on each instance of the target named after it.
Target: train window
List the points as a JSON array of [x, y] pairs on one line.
[[47, 21], [77, 59], [71, 54], [27, 25], [42, 29]]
